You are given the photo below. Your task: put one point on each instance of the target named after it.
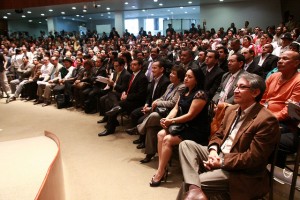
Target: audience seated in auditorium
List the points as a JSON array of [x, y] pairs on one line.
[[250, 66], [160, 108], [191, 111], [233, 162]]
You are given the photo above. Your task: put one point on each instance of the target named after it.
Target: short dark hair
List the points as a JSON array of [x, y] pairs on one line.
[[216, 53], [180, 72], [240, 57]]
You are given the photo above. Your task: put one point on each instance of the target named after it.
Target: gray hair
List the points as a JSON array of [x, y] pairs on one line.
[[256, 82]]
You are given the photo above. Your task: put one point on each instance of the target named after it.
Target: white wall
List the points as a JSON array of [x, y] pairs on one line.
[[32, 28], [261, 13]]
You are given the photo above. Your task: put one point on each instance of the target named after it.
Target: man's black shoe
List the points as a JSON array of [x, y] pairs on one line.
[[147, 158], [104, 119], [138, 141], [105, 133], [132, 131], [141, 146], [113, 111]]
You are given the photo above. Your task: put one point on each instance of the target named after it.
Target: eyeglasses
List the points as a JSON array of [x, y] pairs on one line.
[[241, 87]]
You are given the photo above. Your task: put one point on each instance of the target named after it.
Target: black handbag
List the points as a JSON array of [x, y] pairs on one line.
[[162, 111], [176, 129]]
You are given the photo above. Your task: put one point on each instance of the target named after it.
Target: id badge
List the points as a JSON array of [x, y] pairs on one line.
[[221, 94]]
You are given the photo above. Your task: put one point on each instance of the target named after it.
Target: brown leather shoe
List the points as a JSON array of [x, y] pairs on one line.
[[195, 194]]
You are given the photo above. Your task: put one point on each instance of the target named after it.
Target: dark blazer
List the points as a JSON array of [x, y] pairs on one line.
[[222, 86], [122, 82], [212, 80], [255, 69], [252, 146], [269, 64], [159, 90], [137, 93]]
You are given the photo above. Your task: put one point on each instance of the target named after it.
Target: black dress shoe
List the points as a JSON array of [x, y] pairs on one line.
[[104, 133], [138, 141], [131, 131], [38, 102], [141, 146], [103, 120], [113, 111], [147, 158], [46, 104]]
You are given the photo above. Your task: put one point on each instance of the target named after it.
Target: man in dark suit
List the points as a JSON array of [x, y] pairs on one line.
[[249, 64], [237, 155], [267, 61], [213, 73], [187, 59], [130, 98], [118, 84], [157, 89], [229, 79]]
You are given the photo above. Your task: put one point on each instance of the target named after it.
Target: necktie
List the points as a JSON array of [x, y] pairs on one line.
[[227, 88], [130, 83], [149, 72], [169, 92]]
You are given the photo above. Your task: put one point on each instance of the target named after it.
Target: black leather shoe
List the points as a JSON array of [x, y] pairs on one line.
[[113, 111], [103, 120], [38, 102], [141, 146], [104, 133], [132, 131], [46, 104], [138, 141], [147, 158]]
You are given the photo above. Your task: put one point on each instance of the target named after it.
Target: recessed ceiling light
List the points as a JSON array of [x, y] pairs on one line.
[[23, 16], [155, 0], [63, 13], [4, 17], [42, 14], [133, 6], [168, 10], [30, 20], [126, 3], [90, 18], [40, 22], [29, 12], [194, 8], [84, 10], [172, 13], [77, 15], [8, 13], [50, 10], [74, 8], [160, 4], [152, 14], [82, 16], [101, 15], [108, 13], [108, 17], [221, 0], [190, 2], [73, 19], [98, 6], [144, 10], [181, 7], [64, 17], [107, 8], [185, 12]]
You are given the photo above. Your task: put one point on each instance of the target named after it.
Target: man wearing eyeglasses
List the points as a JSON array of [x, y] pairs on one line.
[[236, 157]]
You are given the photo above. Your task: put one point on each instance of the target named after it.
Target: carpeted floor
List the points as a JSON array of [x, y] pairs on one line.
[[94, 168]]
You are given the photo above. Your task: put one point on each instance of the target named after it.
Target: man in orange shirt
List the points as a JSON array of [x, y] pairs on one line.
[[282, 87]]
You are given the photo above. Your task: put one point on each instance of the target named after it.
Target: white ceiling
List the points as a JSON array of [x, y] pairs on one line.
[[104, 9]]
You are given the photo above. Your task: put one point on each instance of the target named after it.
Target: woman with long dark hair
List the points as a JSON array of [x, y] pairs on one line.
[[190, 110]]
